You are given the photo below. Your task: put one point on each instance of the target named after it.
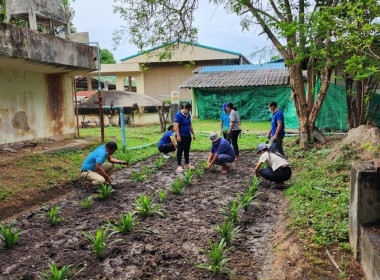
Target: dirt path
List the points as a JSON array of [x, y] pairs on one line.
[[173, 250]]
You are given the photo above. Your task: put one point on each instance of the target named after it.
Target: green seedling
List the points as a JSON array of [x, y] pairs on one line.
[[216, 254], [137, 176], [177, 186], [198, 173], [163, 160], [245, 200], [105, 191], [232, 213], [204, 164], [157, 163], [67, 272], [145, 206], [8, 236], [255, 184], [187, 178], [87, 202], [162, 195], [228, 231], [51, 215], [148, 171], [127, 157], [125, 224], [100, 241]]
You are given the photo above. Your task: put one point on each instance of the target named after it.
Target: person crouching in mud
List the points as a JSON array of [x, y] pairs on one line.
[[221, 153]]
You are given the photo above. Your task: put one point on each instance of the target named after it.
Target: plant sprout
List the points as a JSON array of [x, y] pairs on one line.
[[8, 236], [148, 171], [245, 200], [137, 176], [67, 272], [232, 213], [162, 195], [87, 202], [145, 206], [157, 163], [105, 191], [227, 231], [177, 186], [187, 178], [51, 215], [125, 224], [198, 173]]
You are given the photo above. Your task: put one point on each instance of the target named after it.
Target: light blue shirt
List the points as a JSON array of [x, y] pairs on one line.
[[99, 155], [225, 118]]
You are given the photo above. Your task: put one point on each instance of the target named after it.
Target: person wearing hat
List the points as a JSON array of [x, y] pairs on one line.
[[225, 123], [221, 153], [278, 169]]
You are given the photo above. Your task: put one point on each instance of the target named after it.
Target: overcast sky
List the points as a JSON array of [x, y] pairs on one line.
[[217, 28]]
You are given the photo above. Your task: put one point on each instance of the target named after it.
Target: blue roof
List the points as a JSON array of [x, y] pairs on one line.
[[244, 67]]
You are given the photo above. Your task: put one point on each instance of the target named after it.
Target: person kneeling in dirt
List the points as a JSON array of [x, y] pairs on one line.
[[94, 170], [278, 169], [221, 153], [167, 142]]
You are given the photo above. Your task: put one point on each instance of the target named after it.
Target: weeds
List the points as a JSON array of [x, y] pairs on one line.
[[228, 231], [8, 236], [216, 254], [231, 213], [162, 195], [105, 191], [51, 215], [187, 179], [87, 202], [100, 240], [125, 223], [138, 176], [67, 272], [145, 206], [177, 186]]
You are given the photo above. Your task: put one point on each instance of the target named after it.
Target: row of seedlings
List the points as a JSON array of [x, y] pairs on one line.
[[228, 230]]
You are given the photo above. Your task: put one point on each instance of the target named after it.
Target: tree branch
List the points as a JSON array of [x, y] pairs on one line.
[[275, 9], [288, 11]]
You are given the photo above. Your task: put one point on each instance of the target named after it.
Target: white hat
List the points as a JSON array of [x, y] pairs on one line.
[[213, 137]]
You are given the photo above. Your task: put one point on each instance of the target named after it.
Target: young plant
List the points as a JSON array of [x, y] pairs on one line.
[[228, 231], [127, 157], [177, 186], [157, 163], [87, 202], [198, 173], [67, 272], [245, 200], [163, 160], [137, 176], [145, 206], [187, 178], [125, 224], [162, 195], [204, 164], [51, 215], [148, 171], [255, 183], [216, 254], [100, 241], [105, 191], [8, 236], [231, 213]]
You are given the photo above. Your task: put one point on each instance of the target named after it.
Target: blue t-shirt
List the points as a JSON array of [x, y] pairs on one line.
[[223, 147], [165, 139], [99, 155], [225, 118], [278, 116], [184, 123]]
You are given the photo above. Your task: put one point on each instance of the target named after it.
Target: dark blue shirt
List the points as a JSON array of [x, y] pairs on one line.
[[184, 123], [223, 147], [99, 155], [165, 139], [278, 116]]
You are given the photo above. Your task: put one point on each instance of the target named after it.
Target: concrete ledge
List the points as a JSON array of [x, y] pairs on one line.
[[370, 251]]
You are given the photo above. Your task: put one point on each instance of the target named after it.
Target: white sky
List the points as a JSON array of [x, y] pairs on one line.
[[217, 28]]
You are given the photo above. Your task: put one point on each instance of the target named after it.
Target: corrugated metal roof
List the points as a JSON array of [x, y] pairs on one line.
[[245, 67], [238, 78]]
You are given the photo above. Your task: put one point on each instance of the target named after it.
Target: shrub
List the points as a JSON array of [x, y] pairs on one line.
[[51, 215], [9, 236], [67, 272], [145, 206]]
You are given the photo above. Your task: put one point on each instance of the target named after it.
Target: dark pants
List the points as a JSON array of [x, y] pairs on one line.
[[234, 139], [166, 148], [280, 175], [277, 145], [227, 137], [183, 146]]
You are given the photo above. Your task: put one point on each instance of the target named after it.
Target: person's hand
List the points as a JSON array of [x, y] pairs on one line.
[[274, 138], [269, 136], [123, 163], [109, 180], [208, 166], [228, 132], [193, 137], [178, 138]]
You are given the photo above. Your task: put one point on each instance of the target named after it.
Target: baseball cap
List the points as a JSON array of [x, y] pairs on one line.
[[224, 106], [262, 146]]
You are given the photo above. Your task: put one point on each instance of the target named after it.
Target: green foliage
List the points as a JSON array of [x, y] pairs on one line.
[[157, 163], [148, 171], [198, 172], [9, 236], [125, 223], [245, 200], [228, 231], [138, 176], [106, 57], [145, 206], [51, 215], [87, 202], [67, 272], [187, 178], [105, 191], [177, 186], [100, 241], [216, 253], [231, 211], [162, 195]]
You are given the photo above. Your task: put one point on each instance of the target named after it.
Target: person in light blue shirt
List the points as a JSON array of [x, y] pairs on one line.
[[225, 123], [94, 170], [221, 153], [167, 142]]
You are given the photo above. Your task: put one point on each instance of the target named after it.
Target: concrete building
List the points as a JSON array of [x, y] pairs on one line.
[[157, 78], [36, 78]]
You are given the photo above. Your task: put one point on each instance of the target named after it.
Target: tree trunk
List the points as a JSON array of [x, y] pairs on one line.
[[348, 86]]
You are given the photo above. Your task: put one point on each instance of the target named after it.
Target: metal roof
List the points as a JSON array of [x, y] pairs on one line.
[[238, 78], [244, 67]]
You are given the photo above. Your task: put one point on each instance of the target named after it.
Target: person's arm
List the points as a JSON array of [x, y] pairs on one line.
[[270, 134], [100, 171], [173, 142], [257, 168], [211, 160], [231, 126], [192, 131], [176, 128], [221, 126], [117, 161], [279, 126]]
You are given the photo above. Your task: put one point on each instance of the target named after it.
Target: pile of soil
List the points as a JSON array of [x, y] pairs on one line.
[[157, 248]]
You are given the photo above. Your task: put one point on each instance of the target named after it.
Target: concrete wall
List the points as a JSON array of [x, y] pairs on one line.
[[136, 119]]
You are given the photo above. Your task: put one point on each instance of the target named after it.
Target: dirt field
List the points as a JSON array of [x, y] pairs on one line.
[[171, 250]]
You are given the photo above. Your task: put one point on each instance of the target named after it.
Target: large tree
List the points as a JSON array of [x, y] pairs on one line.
[[106, 57]]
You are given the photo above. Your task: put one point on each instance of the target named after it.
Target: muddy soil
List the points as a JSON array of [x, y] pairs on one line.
[[169, 249]]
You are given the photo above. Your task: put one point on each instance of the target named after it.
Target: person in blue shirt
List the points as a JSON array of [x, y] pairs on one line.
[[221, 153], [184, 130], [277, 132], [94, 170], [167, 142], [225, 123]]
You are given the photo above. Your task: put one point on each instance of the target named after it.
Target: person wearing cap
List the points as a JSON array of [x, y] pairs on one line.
[[94, 170], [221, 153], [234, 129], [167, 142], [278, 169], [225, 123], [277, 132]]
